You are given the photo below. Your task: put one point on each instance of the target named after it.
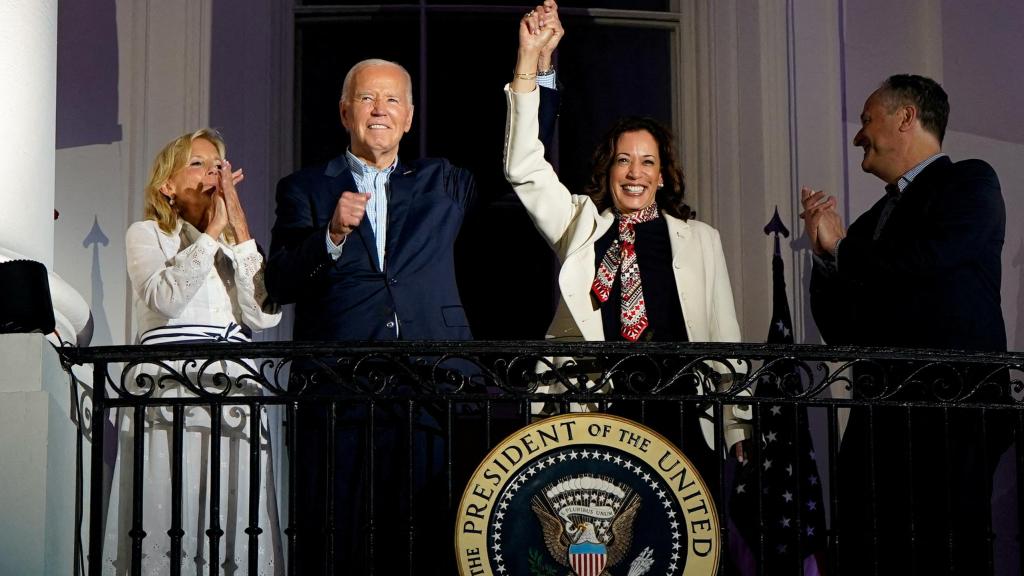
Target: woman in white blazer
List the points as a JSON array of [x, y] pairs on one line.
[[196, 277], [634, 265]]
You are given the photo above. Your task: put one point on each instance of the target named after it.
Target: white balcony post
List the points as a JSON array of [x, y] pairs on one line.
[[37, 478]]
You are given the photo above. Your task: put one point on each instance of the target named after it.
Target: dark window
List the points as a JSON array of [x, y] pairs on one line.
[[325, 48], [608, 71]]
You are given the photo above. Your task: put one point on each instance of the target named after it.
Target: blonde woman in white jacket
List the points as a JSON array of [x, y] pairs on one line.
[[197, 278], [634, 265]]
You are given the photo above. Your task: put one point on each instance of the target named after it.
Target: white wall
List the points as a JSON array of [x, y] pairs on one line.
[[163, 91]]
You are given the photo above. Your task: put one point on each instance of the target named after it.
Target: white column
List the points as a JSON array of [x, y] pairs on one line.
[[28, 75], [36, 438]]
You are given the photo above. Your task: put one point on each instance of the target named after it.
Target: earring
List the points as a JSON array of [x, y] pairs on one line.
[[661, 184], [170, 200]]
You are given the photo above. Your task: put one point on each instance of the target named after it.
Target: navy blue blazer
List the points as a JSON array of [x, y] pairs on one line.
[[932, 277], [352, 298]]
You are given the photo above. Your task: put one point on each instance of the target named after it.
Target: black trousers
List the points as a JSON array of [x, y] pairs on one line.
[[381, 508], [915, 490]]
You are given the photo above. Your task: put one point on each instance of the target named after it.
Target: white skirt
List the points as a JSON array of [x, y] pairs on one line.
[[234, 466]]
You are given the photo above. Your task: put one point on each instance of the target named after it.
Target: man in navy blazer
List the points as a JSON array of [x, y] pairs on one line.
[[921, 268], [364, 247], [409, 291]]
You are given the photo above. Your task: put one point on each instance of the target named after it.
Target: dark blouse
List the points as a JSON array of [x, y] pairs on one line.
[[654, 257]]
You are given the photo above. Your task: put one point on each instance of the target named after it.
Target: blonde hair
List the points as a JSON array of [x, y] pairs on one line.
[[173, 157]]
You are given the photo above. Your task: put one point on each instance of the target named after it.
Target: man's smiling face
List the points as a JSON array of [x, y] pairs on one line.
[[377, 112]]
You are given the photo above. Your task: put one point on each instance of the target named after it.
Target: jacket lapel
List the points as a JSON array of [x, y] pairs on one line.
[[680, 236], [577, 276], [402, 191]]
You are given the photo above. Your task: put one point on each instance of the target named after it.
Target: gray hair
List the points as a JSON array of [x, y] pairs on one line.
[[346, 85]]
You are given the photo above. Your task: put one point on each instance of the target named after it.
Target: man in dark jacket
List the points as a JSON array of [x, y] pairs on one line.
[[364, 247], [921, 268]]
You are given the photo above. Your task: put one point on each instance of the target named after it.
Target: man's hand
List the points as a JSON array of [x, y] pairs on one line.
[[534, 34], [348, 213], [830, 230], [819, 209], [549, 12]]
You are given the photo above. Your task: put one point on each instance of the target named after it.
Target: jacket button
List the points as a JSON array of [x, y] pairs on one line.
[[393, 281], [390, 324]]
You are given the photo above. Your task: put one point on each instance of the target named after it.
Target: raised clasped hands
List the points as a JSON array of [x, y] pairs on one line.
[[537, 29], [348, 213], [822, 221], [540, 30]]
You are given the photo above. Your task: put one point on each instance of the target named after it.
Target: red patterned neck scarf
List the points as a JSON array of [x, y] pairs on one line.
[[622, 255]]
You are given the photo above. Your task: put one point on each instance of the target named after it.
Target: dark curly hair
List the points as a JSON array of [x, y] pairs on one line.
[[670, 197]]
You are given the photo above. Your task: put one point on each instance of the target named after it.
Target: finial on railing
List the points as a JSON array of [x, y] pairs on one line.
[[775, 226]]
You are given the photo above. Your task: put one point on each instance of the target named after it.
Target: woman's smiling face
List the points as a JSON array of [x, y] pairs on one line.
[[636, 171]]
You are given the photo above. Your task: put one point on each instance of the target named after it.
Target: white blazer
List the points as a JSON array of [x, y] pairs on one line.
[[571, 224]]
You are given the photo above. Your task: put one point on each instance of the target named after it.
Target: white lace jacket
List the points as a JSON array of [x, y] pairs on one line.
[[187, 277]]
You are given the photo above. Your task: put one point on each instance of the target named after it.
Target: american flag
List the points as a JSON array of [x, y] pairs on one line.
[[786, 528]]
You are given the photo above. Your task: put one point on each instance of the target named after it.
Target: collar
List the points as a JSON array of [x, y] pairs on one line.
[[907, 178], [360, 168], [647, 214], [191, 235], [186, 230]]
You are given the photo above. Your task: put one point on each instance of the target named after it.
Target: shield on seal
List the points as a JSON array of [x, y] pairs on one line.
[[587, 559]]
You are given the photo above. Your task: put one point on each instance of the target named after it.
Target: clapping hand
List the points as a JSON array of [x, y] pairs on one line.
[[232, 204], [216, 215], [822, 221]]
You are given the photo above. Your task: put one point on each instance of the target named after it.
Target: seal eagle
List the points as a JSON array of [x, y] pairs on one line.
[[587, 522]]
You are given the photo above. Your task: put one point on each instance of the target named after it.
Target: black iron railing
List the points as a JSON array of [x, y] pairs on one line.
[[421, 415]]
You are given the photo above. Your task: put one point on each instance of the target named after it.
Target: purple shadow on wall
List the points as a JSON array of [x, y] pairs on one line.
[[87, 67]]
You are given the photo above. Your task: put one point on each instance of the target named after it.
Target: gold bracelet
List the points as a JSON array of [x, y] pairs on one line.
[[525, 75]]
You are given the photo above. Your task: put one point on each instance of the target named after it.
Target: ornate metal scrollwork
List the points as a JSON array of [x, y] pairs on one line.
[[141, 375]]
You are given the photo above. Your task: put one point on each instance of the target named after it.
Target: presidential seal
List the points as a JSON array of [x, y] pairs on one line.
[[586, 495]]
